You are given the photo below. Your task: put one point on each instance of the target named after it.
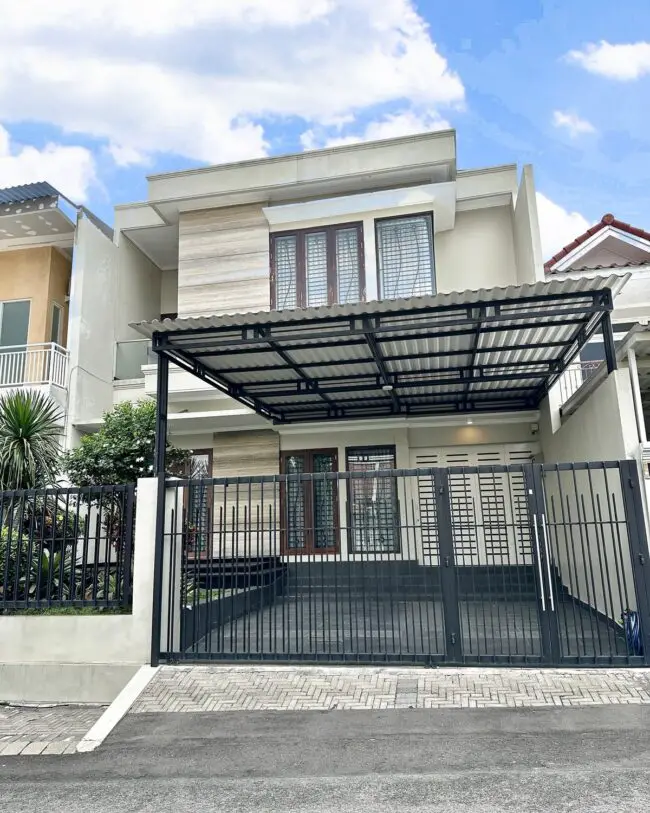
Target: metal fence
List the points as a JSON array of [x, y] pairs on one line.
[[522, 563], [575, 376], [66, 547]]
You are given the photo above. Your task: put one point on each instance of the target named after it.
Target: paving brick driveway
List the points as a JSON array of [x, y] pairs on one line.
[[244, 688], [47, 730]]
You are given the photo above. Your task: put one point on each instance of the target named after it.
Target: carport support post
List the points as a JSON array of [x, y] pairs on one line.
[[162, 399], [608, 339]]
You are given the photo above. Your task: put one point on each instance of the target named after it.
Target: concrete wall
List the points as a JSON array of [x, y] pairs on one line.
[[41, 275], [138, 291], [479, 252], [87, 658], [584, 511], [91, 327], [60, 270], [602, 428], [528, 244]]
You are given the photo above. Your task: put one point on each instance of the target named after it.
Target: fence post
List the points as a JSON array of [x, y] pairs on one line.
[[631, 485], [143, 560], [172, 554]]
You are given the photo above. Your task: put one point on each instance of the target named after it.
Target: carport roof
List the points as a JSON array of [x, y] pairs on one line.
[[469, 351]]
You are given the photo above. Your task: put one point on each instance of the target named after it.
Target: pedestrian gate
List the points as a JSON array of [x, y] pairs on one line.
[[522, 563]]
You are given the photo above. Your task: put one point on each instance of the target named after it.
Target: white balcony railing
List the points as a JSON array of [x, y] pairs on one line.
[[34, 365], [574, 377]]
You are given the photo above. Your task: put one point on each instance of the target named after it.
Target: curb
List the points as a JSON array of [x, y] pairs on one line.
[[118, 708]]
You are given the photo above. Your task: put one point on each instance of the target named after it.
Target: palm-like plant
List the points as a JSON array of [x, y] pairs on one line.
[[30, 430]]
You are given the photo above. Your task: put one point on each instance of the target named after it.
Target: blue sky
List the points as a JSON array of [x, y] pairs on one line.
[[95, 96]]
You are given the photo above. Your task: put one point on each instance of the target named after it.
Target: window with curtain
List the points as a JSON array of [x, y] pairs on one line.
[[373, 508], [314, 267], [405, 258], [309, 507]]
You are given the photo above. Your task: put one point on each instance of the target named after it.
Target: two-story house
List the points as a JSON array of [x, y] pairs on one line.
[[358, 344], [38, 243]]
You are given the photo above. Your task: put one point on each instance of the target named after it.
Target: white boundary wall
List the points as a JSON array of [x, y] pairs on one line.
[[84, 658]]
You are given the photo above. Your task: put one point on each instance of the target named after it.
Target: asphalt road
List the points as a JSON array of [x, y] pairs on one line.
[[589, 759]]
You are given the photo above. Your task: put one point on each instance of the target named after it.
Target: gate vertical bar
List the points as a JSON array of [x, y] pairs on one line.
[[549, 634], [447, 564], [162, 387], [631, 487]]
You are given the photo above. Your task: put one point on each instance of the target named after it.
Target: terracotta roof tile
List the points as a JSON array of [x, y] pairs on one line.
[[606, 220]]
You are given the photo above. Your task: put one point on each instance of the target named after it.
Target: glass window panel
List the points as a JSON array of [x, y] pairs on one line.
[[15, 323], [295, 502], [316, 268], [199, 498], [324, 502], [285, 272], [405, 256], [347, 265], [373, 506]]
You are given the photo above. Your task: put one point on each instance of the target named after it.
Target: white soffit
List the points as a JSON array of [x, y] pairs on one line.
[[440, 197]]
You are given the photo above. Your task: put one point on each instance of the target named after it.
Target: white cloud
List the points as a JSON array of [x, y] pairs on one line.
[[70, 169], [623, 62], [150, 18], [198, 79], [393, 125], [573, 123], [558, 226]]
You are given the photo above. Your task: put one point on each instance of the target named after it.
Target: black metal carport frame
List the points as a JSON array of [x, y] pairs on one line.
[[557, 317]]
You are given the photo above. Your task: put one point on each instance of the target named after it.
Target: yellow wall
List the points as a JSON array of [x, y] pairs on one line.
[[41, 275]]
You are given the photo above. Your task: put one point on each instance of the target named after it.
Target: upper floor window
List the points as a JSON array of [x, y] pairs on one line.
[[405, 256], [322, 266]]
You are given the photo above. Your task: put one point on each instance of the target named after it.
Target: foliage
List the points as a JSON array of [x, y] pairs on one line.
[[30, 429], [122, 450], [39, 573]]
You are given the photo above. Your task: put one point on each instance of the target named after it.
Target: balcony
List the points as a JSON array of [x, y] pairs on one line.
[[135, 375], [39, 366], [574, 377]]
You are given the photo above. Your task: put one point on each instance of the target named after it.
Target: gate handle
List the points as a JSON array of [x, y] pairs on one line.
[[539, 565], [548, 564]]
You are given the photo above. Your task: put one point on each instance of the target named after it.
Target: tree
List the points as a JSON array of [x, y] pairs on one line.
[[30, 431], [122, 450]]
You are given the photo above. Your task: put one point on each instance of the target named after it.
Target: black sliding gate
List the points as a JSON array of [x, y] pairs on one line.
[[521, 564]]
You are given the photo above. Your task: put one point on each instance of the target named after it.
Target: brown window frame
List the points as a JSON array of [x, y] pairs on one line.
[[309, 548], [429, 214], [332, 279]]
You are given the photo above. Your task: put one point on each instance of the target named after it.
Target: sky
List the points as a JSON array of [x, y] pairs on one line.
[[97, 94]]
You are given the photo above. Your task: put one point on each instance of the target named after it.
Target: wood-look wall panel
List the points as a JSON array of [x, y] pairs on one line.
[[209, 300], [246, 454], [224, 261]]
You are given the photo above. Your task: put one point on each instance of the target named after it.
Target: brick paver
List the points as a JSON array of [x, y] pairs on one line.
[[46, 730], [248, 688]]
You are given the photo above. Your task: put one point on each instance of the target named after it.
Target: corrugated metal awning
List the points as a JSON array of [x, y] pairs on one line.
[[27, 192], [495, 349]]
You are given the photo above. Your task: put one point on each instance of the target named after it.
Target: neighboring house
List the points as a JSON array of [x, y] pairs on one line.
[[366, 335], [38, 228], [612, 245]]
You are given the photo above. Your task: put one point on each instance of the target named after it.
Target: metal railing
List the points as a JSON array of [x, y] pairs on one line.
[[574, 377], [34, 365], [130, 357], [66, 547], [457, 565]]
